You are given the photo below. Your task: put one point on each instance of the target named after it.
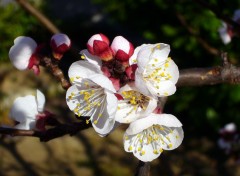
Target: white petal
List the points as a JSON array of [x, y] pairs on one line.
[[151, 106], [153, 119], [61, 39], [133, 58], [104, 127], [40, 101], [83, 69], [27, 125], [160, 51], [143, 57], [94, 37], [157, 51], [165, 88], [230, 127], [126, 113], [103, 81], [132, 144], [21, 52], [111, 104], [120, 43], [106, 122], [148, 155], [141, 84], [175, 138], [24, 108], [173, 70], [91, 58], [72, 90], [226, 38]]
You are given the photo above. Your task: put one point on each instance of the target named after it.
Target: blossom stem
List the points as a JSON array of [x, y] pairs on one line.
[[143, 169]]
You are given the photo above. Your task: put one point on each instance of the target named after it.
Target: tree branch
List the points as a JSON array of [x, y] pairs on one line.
[[227, 73], [52, 66], [191, 31], [52, 133], [36, 13]]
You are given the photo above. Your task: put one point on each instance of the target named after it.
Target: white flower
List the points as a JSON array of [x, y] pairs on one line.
[[134, 105], [92, 94], [22, 51], [26, 109], [156, 74], [224, 33], [146, 138]]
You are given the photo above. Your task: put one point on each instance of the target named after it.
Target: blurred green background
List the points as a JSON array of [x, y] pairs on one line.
[[190, 29]]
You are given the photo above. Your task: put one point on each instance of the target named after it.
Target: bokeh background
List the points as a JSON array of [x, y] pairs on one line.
[[192, 32]]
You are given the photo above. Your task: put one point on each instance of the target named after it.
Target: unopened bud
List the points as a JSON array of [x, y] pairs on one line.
[[23, 54], [122, 48], [98, 45], [60, 43]]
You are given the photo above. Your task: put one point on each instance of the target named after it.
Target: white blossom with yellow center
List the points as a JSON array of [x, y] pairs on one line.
[[147, 137], [92, 94], [157, 73], [134, 105]]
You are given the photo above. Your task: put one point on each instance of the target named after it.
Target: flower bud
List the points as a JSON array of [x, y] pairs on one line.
[[23, 54], [98, 45], [60, 43], [122, 48]]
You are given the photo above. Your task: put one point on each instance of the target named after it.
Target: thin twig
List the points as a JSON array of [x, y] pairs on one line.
[[40, 16], [194, 33], [52, 133]]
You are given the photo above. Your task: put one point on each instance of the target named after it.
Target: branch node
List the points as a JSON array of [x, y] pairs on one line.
[[224, 57]]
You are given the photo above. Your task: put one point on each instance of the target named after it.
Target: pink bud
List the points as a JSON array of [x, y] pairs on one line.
[[130, 71], [102, 50], [42, 120], [122, 48], [98, 45], [60, 43], [116, 83]]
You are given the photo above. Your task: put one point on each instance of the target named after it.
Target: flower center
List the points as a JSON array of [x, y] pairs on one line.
[[157, 136], [136, 99], [156, 72], [89, 100]]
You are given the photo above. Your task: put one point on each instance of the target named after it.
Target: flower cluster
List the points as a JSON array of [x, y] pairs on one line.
[[114, 84], [226, 31]]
